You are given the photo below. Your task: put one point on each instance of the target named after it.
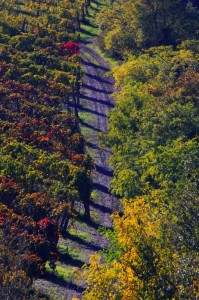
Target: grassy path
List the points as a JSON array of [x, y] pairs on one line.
[[83, 238]]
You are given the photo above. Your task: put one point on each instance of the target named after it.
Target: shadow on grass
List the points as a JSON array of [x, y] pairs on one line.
[[82, 30], [79, 240], [62, 282], [94, 9], [93, 146], [89, 126], [69, 260], [96, 2], [96, 100], [100, 207], [98, 78], [104, 171], [90, 223], [84, 42], [92, 111], [92, 88], [100, 187], [95, 65], [90, 24]]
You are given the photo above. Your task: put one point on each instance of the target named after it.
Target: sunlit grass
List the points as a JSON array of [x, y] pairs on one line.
[[112, 63], [80, 234], [90, 28], [63, 272], [72, 252]]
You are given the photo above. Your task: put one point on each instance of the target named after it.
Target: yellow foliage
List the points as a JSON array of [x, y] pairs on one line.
[[144, 259]]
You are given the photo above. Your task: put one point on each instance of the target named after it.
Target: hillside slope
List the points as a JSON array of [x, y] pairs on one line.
[[83, 238]]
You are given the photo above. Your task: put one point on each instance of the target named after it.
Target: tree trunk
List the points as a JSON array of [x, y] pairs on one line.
[[23, 25], [63, 219], [87, 210], [78, 20], [75, 105], [83, 13]]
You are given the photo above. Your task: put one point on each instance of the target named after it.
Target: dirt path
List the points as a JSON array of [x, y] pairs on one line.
[[97, 100], [84, 238]]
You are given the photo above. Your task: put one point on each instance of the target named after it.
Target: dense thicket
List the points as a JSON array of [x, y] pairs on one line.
[[130, 26], [44, 169], [153, 251]]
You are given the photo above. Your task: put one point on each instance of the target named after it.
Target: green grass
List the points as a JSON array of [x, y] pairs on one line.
[[80, 234], [74, 253], [90, 58], [91, 29], [87, 132], [62, 272], [86, 117], [112, 63], [62, 249], [94, 195], [65, 273]]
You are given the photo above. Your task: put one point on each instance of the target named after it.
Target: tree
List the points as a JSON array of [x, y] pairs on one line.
[[154, 138], [128, 26], [43, 157], [143, 261]]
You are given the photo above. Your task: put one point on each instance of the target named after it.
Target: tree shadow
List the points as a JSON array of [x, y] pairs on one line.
[[95, 9], [96, 2], [90, 222], [87, 32], [89, 126], [101, 188], [104, 171], [100, 207], [52, 277], [93, 25], [79, 240], [107, 103], [69, 260], [92, 111], [84, 42], [92, 88], [93, 146], [98, 78], [94, 65]]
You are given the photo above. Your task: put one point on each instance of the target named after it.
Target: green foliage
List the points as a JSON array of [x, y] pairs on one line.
[[129, 26], [153, 134], [154, 125], [43, 160], [144, 260]]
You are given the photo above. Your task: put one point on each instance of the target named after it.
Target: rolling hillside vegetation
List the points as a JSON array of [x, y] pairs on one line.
[[44, 168], [111, 189], [153, 133]]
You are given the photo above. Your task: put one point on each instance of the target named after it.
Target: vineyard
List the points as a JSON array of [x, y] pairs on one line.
[[45, 170], [130, 228]]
